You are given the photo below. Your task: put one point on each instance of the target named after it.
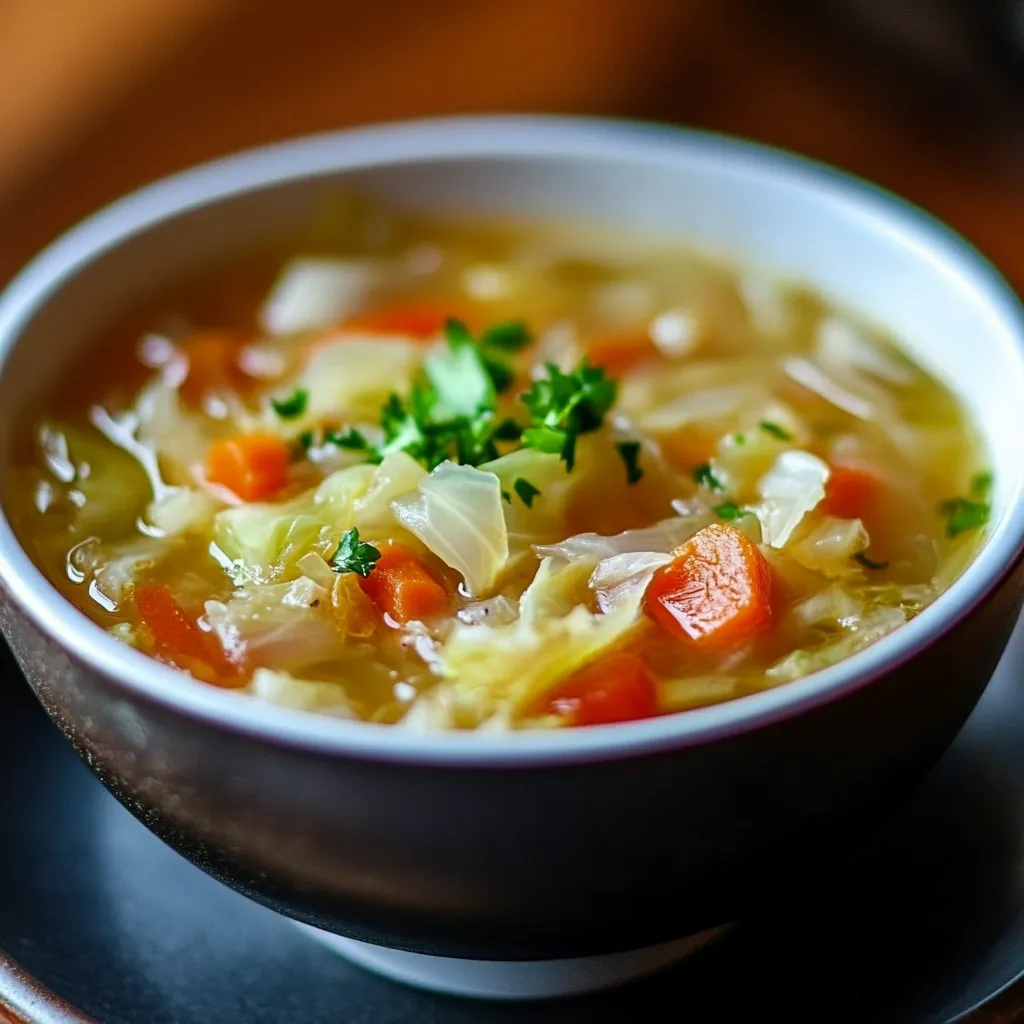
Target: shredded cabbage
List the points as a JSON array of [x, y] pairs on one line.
[[831, 545], [843, 347], [459, 517], [832, 607], [555, 590], [696, 692], [507, 668], [789, 490], [287, 625], [182, 510], [871, 627], [307, 695], [662, 537], [315, 293], [625, 577]]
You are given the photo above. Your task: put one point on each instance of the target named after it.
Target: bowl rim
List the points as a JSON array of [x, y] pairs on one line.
[[495, 136]]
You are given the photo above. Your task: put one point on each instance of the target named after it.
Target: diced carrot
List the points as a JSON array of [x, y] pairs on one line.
[[253, 466], [180, 639], [401, 586], [850, 493], [212, 364], [715, 591], [618, 353], [615, 688], [422, 320]]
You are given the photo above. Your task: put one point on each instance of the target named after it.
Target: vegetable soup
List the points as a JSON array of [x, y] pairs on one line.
[[470, 477]]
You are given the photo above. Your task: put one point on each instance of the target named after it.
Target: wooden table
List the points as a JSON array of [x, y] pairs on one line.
[[100, 97]]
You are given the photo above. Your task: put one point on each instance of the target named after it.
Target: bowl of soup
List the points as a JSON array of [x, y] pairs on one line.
[[502, 543]]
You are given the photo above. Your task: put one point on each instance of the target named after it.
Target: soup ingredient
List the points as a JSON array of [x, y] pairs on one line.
[[253, 466], [716, 590], [615, 688], [401, 586], [354, 555]]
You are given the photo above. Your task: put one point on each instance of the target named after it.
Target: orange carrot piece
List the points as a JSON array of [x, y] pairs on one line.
[[401, 586], [614, 688], [253, 466], [422, 320], [618, 353], [180, 639], [850, 493], [212, 364], [715, 591]]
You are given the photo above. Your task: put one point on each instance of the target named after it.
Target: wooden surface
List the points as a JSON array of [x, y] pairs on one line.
[[101, 96]]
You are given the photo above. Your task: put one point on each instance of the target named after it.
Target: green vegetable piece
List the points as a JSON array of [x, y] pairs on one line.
[[508, 337], [775, 430], [862, 559], [526, 491], [630, 453], [730, 510], [981, 484], [292, 407], [705, 477], [350, 439], [963, 514], [354, 555]]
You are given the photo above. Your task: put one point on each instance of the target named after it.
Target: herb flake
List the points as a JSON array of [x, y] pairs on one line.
[[962, 514], [293, 406], [354, 555], [780, 433], [705, 477], [861, 558], [729, 510], [526, 491], [630, 453]]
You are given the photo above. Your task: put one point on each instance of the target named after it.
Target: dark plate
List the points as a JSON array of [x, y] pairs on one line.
[[921, 926]]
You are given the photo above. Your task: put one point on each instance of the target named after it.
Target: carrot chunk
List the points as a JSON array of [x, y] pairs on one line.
[[618, 353], [180, 639], [253, 466], [715, 591], [401, 586], [614, 688], [212, 364], [422, 320], [851, 493]]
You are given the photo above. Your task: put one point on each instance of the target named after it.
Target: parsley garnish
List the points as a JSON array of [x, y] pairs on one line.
[[705, 477], [354, 555], [563, 406], [292, 407], [775, 430], [507, 496], [350, 439], [981, 484], [963, 514], [730, 510], [862, 559], [526, 491], [510, 337], [740, 439], [630, 452]]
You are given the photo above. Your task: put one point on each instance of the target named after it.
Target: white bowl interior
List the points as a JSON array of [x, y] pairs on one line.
[[856, 246]]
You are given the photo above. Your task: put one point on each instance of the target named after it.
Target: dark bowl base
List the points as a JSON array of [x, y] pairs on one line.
[[515, 979]]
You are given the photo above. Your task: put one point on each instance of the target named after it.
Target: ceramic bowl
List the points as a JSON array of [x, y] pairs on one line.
[[531, 863]]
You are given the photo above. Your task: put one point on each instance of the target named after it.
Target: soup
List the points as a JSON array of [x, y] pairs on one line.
[[466, 477]]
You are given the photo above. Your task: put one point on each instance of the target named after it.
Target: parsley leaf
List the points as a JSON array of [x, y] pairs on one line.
[[730, 510], [862, 559], [775, 430], [507, 337], [526, 491], [507, 496], [460, 377], [350, 439], [564, 405], [354, 555], [292, 407], [981, 484], [963, 514], [705, 477], [630, 453]]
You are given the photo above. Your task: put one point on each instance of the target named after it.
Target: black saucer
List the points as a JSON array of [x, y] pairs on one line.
[[922, 927]]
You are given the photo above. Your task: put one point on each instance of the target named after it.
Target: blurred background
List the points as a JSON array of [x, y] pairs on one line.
[[100, 96]]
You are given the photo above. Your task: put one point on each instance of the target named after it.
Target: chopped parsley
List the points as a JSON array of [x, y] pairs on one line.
[[526, 491], [292, 407], [740, 439], [730, 510], [962, 514], [354, 555], [562, 406], [350, 439], [630, 453], [507, 496], [775, 430], [705, 477], [861, 558], [981, 484]]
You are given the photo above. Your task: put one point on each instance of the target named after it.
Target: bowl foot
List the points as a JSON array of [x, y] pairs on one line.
[[510, 980]]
